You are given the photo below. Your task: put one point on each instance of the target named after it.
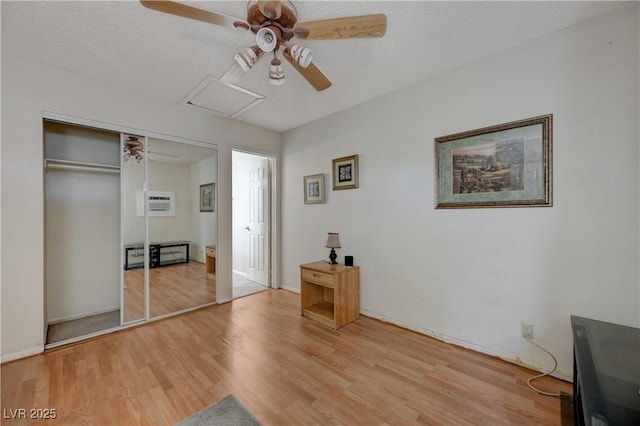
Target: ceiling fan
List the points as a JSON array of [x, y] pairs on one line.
[[275, 24]]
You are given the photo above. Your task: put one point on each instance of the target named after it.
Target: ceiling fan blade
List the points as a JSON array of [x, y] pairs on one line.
[[350, 27], [190, 12], [270, 9], [312, 74]]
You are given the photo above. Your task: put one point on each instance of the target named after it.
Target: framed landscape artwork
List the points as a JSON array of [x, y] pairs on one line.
[[508, 165], [314, 189], [345, 172]]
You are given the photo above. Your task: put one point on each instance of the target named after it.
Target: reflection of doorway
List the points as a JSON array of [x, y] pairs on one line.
[[251, 223]]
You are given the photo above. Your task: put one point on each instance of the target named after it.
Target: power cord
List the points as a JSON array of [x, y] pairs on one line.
[[555, 366]]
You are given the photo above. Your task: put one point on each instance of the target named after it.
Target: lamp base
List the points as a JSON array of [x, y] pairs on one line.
[[333, 256]]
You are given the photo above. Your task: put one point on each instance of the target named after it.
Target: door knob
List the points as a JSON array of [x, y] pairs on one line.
[[247, 228]]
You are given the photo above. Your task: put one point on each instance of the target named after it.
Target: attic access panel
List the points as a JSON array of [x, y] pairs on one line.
[[222, 97]]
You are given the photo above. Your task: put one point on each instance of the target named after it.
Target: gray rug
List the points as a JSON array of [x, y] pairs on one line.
[[226, 412]]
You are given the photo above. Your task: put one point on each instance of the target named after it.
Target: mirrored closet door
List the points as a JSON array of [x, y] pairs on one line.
[[182, 223], [130, 229]]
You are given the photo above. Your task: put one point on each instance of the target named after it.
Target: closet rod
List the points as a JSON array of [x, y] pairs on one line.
[[64, 165]]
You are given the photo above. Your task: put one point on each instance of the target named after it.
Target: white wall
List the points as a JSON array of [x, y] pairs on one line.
[[471, 276], [175, 178], [205, 223], [28, 89], [82, 244]]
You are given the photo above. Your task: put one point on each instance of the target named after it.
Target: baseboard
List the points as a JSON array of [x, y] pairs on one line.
[[79, 316], [563, 375], [558, 374], [291, 289], [34, 350]]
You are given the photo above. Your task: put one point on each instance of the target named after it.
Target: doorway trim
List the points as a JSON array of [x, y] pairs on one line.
[[274, 211]]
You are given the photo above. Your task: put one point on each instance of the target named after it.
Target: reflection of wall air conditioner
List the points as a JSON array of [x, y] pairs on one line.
[[159, 203]]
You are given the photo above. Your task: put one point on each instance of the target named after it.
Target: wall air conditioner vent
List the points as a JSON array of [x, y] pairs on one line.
[[159, 203]]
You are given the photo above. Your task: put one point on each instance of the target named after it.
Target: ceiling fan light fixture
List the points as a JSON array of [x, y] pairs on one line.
[[302, 55], [248, 57], [267, 39], [276, 73], [275, 23]]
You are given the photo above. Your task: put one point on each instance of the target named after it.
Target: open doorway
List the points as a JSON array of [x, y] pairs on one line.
[[251, 192]]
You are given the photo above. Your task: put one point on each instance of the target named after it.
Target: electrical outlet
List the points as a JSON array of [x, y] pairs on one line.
[[527, 330]]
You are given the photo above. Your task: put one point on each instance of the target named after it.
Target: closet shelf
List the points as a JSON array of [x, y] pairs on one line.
[[66, 165]]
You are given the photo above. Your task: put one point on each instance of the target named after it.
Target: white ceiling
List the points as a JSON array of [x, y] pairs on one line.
[[167, 56]]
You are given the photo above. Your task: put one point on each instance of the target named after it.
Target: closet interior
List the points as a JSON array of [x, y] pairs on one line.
[[126, 236]]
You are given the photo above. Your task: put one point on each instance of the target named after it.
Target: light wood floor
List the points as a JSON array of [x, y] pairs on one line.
[[171, 289], [285, 369]]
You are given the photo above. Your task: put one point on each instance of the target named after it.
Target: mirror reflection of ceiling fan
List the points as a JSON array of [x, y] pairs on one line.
[[275, 24]]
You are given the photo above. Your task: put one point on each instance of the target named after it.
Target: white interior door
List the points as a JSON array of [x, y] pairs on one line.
[[258, 226]]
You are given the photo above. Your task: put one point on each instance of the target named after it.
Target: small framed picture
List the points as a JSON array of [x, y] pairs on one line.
[[207, 197], [314, 189], [345, 172]]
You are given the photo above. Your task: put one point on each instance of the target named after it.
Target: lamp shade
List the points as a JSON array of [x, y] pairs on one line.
[[301, 54], [267, 38], [276, 73], [248, 57], [333, 240]]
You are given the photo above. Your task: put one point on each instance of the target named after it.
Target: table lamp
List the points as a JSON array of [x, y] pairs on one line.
[[333, 242]]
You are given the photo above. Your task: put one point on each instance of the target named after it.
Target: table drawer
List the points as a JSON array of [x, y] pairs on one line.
[[320, 278], [211, 251]]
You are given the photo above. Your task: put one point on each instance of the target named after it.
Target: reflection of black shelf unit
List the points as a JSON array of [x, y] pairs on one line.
[[156, 251]]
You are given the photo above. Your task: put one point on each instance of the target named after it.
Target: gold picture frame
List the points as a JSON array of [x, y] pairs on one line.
[[314, 189], [507, 165], [345, 172]]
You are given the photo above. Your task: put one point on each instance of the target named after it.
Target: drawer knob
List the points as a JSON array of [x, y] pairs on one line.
[[316, 275]]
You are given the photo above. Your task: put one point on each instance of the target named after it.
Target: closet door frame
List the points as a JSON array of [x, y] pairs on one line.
[[81, 253]]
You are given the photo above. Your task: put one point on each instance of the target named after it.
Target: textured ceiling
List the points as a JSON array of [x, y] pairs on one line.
[[167, 56]]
